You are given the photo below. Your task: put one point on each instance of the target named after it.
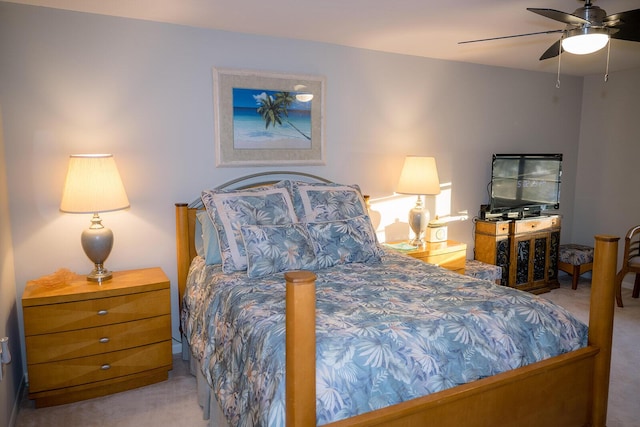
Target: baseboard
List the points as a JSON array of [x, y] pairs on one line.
[[22, 390]]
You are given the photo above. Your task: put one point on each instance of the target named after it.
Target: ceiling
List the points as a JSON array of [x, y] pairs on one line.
[[427, 28]]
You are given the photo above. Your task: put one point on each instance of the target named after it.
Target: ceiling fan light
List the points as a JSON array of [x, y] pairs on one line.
[[585, 42]]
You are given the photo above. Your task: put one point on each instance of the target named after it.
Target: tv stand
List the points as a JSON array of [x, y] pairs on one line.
[[526, 249]]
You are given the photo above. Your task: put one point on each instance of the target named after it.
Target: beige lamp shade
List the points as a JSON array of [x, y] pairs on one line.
[[419, 176], [93, 185]]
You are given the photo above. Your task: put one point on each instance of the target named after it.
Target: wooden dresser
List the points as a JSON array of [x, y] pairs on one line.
[[526, 249], [85, 340], [449, 254]]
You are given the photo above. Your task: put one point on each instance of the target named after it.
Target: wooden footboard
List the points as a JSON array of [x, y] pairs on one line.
[[567, 390], [564, 391]]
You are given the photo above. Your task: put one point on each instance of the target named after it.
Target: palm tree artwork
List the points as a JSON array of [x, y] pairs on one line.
[[270, 119], [273, 109]]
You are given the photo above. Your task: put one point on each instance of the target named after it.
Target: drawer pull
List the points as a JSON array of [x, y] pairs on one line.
[[104, 340], [105, 367], [103, 312]]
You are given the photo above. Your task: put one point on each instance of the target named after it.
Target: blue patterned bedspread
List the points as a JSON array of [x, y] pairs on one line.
[[385, 333]]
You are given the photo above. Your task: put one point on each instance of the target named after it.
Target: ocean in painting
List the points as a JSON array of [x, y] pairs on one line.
[[249, 131]]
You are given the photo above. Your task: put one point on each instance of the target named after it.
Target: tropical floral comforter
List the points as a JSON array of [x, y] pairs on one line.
[[385, 333]]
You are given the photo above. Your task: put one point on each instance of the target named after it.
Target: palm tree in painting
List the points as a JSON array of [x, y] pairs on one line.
[[275, 109]]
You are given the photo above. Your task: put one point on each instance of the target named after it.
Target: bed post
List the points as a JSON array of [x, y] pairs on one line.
[[182, 248], [601, 322], [300, 349]]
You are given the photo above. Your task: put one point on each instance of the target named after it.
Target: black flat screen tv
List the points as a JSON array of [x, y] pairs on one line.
[[525, 184]]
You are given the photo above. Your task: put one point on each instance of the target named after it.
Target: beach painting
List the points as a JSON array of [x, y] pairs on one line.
[[268, 118]]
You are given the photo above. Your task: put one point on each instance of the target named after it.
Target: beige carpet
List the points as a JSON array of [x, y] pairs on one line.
[[169, 403], [624, 389], [173, 402]]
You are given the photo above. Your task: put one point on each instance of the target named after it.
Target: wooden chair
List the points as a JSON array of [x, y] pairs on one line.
[[630, 263]]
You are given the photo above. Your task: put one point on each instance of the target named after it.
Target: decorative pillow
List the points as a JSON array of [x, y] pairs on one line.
[[198, 239], [345, 241], [208, 239], [318, 202], [229, 210], [275, 248]]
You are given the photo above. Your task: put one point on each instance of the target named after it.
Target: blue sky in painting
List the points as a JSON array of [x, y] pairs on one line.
[[246, 98]]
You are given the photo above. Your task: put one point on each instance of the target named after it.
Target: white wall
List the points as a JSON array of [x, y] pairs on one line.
[[75, 82], [608, 175], [12, 373]]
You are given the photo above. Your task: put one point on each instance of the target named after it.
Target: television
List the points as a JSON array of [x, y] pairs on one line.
[[525, 184]]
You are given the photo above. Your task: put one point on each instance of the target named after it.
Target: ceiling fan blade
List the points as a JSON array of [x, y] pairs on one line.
[[631, 34], [616, 20], [510, 37], [557, 15], [626, 23], [553, 51]]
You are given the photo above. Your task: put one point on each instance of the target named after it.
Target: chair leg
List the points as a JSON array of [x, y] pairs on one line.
[[575, 277], [636, 287], [619, 278]]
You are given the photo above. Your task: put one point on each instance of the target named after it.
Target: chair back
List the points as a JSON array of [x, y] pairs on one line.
[[630, 264], [632, 249]]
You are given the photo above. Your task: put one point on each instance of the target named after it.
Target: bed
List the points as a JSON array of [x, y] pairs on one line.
[[321, 297]]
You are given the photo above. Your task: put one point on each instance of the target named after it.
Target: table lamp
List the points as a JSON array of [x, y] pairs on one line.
[[419, 177], [93, 185]]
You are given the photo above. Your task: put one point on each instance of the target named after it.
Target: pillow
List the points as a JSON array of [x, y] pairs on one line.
[[275, 248], [208, 239], [229, 210], [198, 242], [319, 202], [345, 241]]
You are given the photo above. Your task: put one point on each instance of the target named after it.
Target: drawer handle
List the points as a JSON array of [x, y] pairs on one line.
[[104, 340], [105, 367], [103, 312]]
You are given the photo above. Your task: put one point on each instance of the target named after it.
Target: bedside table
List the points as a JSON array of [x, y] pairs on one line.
[[85, 340], [449, 254]]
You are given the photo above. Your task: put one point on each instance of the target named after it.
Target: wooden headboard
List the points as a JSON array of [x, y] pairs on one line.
[[186, 216]]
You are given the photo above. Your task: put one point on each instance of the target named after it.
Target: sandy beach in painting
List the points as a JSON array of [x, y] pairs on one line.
[[249, 131]]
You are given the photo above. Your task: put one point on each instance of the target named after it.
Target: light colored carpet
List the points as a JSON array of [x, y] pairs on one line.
[[624, 388], [169, 403], [173, 402]]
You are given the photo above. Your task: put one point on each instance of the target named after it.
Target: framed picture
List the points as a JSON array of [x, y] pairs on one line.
[[268, 118]]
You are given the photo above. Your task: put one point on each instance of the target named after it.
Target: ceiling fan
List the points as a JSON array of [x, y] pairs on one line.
[[588, 29]]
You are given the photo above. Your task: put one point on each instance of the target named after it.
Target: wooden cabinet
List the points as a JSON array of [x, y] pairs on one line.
[[85, 340], [526, 249], [450, 254]]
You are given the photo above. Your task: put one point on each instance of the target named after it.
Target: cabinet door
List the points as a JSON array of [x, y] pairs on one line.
[[554, 250], [539, 259], [523, 256], [503, 259], [531, 267]]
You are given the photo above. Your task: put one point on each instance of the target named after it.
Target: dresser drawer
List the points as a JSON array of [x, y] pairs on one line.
[[493, 228], [102, 339], [76, 315], [537, 224], [84, 370]]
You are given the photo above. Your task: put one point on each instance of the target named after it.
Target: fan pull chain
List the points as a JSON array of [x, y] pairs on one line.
[[559, 61], [606, 74]]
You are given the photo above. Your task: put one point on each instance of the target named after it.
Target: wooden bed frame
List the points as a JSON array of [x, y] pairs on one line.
[[567, 390]]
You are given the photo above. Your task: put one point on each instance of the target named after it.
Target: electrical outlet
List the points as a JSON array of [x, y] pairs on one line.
[[5, 356]]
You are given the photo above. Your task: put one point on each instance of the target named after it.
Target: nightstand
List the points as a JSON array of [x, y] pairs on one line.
[[449, 254], [85, 340]]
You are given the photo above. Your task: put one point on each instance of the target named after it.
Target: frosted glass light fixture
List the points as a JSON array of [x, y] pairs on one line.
[[93, 185], [582, 41], [419, 177]]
